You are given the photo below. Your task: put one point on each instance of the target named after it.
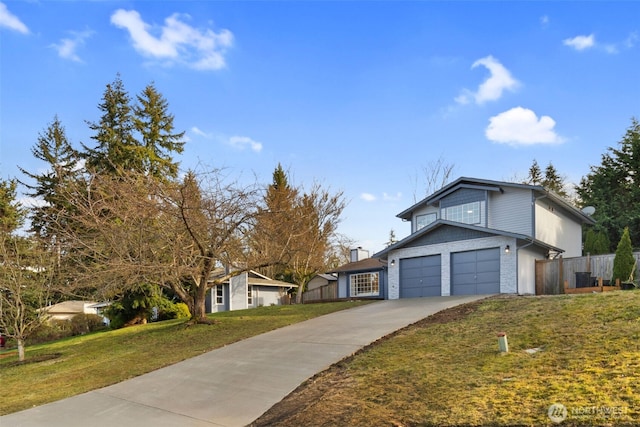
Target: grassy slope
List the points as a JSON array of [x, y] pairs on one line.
[[97, 360], [447, 370]]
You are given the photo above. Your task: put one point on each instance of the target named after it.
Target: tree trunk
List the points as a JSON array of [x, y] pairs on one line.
[[20, 350], [199, 313]]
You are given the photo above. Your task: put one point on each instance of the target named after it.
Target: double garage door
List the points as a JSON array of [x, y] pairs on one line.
[[472, 272]]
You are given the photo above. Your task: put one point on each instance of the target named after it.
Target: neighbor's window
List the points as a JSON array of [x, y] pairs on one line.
[[249, 295], [424, 220], [469, 213], [219, 295], [364, 284]]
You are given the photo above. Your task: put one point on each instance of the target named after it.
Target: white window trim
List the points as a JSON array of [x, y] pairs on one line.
[[355, 284], [463, 216], [216, 296], [426, 215]]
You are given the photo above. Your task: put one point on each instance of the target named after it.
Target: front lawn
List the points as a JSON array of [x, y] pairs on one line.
[[75, 365], [583, 353]]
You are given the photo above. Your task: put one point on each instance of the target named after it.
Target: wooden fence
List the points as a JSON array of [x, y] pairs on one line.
[[323, 293], [552, 274]]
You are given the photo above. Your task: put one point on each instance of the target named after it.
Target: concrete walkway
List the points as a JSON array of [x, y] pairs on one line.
[[234, 385]]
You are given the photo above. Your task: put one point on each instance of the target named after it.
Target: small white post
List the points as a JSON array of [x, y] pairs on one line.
[[502, 342]]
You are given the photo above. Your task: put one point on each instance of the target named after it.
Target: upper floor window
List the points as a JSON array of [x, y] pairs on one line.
[[468, 213], [424, 220], [364, 284]]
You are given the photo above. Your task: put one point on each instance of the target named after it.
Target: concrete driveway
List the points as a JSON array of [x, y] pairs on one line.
[[234, 385]]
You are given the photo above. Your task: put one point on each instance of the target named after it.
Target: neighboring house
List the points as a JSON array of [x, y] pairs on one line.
[[67, 309], [246, 290], [363, 277], [320, 280], [477, 236]]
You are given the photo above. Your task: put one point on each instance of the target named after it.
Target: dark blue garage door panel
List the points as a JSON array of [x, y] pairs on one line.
[[420, 277], [475, 272]]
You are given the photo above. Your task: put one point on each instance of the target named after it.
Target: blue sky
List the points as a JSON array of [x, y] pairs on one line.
[[357, 96]]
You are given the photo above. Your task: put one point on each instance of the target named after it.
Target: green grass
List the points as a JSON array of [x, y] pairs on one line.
[[96, 360], [449, 371]]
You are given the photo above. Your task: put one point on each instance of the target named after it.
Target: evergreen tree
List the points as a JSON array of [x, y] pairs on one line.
[[535, 174], [392, 238], [613, 188], [624, 262], [553, 181], [596, 242], [54, 149], [155, 126], [11, 211], [116, 146], [272, 234]]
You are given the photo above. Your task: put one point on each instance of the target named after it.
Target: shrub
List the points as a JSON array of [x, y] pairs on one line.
[[177, 310], [85, 323], [624, 262]]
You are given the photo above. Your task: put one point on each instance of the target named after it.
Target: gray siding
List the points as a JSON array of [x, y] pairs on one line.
[[511, 211], [445, 234], [462, 196]]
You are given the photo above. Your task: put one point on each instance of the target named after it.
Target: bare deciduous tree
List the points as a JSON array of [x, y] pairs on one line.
[[26, 272], [130, 229], [435, 175]]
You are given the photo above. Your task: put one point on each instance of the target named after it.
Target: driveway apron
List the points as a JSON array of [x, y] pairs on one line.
[[234, 385]]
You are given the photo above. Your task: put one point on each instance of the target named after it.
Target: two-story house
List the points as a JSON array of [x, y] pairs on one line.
[[477, 236]]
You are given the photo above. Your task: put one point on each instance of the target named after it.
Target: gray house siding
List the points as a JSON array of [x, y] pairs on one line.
[[512, 211], [238, 291], [210, 303], [462, 196], [445, 234]]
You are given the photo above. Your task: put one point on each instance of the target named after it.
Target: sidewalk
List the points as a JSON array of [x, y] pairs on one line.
[[234, 385]]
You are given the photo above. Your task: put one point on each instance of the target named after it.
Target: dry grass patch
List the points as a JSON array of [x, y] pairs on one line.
[[447, 369]]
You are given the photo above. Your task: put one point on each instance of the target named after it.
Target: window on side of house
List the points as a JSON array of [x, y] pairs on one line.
[[364, 284], [424, 220], [219, 295], [468, 213], [249, 295]]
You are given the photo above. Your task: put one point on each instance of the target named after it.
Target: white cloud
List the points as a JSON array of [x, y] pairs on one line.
[[241, 142], [200, 132], [521, 126], [178, 42], [392, 197], [368, 197], [10, 21], [491, 89], [544, 21], [580, 42], [68, 46], [631, 40]]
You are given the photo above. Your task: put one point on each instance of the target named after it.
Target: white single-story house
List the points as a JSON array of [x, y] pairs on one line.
[[246, 290], [67, 309], [476, 236]]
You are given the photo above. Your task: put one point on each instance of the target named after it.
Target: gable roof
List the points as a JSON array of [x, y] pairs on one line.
[[367, 264], [445, 223], [253, 278], [489, 185], [69, 307]]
